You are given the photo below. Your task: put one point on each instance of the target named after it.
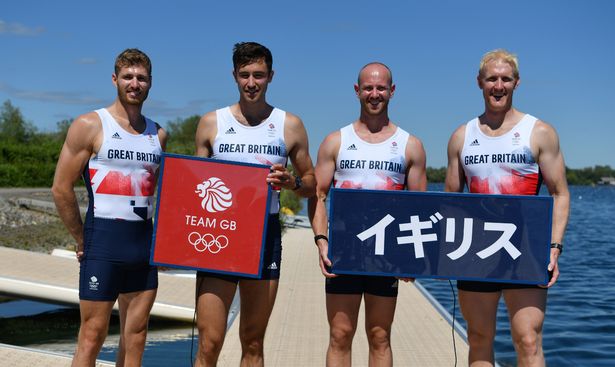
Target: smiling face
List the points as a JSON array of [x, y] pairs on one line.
[[252, 80], [374, 89], [498, 82], [133, 84]]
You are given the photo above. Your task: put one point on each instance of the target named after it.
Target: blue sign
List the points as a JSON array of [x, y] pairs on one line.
[[496, 238]]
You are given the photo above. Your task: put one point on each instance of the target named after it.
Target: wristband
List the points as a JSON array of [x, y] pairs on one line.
[[320, 237], [558, 246]]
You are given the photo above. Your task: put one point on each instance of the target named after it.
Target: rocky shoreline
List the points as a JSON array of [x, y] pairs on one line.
[[28, 228]]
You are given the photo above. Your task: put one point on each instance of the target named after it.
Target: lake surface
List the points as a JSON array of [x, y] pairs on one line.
[[579, 329]]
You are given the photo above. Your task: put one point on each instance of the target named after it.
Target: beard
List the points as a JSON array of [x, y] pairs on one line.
[[123, 97]]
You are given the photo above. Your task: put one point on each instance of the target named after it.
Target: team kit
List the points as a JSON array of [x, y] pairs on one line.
[[118, 153]]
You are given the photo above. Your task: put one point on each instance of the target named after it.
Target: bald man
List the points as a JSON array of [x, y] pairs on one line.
[[373, 136]]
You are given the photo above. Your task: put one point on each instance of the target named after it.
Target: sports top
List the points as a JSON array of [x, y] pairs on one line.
[[373, 166], [501, 164], [121, 177], [261, 144]]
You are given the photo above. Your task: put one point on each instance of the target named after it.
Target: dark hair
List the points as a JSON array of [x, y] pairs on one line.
[[130, 57], [245, 53]]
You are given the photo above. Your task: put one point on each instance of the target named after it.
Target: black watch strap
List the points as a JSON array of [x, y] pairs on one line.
[[320, 237], [298, 183], [558, 246]]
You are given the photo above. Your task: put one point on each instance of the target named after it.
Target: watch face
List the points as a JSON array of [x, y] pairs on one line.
[[298, 183]]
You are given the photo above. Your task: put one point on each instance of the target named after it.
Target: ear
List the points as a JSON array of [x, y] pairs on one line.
[[270, 76], [357, 89], [392, 90], [114, 79], [517, 83], [479, 82], [234, 73]]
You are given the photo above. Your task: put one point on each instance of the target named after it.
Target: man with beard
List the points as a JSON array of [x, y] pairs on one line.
[[397, 162], [499, 133], [117, 152], [270, 136]]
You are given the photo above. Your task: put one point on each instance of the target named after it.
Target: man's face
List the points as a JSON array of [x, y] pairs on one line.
[[252, 80], [133, 84], [498, 84], [374, 89]]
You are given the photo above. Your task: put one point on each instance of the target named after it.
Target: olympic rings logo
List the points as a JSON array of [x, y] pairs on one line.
[[207, 242]]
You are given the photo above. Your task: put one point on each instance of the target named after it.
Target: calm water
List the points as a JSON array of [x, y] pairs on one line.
[[579, 328]]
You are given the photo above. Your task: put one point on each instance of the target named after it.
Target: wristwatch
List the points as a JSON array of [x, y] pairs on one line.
[[298, 183]]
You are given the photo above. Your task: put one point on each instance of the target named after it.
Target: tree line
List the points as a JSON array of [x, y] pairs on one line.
[[28, 156]]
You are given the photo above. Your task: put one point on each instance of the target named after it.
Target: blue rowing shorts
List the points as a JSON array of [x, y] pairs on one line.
[[116, 259], [272, 256], [359, 284]]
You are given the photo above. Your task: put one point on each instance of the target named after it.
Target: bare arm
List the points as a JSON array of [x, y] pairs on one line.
[[455, 177], [205, 134], [78, 147], [317, 211], [545, 146], [416, 176], [298, 151]]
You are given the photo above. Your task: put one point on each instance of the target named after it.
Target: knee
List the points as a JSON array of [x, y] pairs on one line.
[[91, 337], [210, 347], [341, 337], [379, 339], [528, 344], [252, 341]]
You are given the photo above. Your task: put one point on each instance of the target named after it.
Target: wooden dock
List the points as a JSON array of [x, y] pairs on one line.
[[298, 329]]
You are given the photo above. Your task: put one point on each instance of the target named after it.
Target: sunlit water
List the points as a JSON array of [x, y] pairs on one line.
[[579, 329]]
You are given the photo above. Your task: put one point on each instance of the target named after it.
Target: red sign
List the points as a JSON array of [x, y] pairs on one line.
[[211, 215]]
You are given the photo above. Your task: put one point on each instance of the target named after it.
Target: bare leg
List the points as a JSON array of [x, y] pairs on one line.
[[92, 332], [135, 308], [214, 299], [526, 310], [257, 300], [479, 309], [342, 313], [379, 313]]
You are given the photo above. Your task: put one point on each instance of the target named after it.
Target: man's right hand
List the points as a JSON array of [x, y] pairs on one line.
[[325, 263]]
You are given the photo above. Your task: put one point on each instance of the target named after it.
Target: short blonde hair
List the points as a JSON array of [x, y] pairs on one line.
[[499, 54]]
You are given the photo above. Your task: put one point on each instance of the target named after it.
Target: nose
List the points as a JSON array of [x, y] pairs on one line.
[[499, 84], [134, 82], [251, 82]]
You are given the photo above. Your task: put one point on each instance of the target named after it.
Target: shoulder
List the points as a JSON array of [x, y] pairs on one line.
[[331, 143], [293, 121], [544, 136], [458, 136], [87, 125], [209, 118], [162, 133]]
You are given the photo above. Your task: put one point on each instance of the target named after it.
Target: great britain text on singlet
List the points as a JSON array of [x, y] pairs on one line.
[[251, 148], [130, 155], [369, 164], [497, 158]]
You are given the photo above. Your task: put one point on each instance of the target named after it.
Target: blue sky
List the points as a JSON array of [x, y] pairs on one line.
[[57, 60]]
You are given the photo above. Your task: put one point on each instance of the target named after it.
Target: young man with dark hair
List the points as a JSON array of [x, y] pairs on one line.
[[252, 121]]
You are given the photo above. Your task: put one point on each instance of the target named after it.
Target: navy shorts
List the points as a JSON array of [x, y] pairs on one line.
[[272, 256], [116, 259], [359, 284], [471, 286]]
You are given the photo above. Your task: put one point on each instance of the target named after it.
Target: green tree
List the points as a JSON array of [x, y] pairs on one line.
[[62, 128], [181, 135], [12, 124]]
